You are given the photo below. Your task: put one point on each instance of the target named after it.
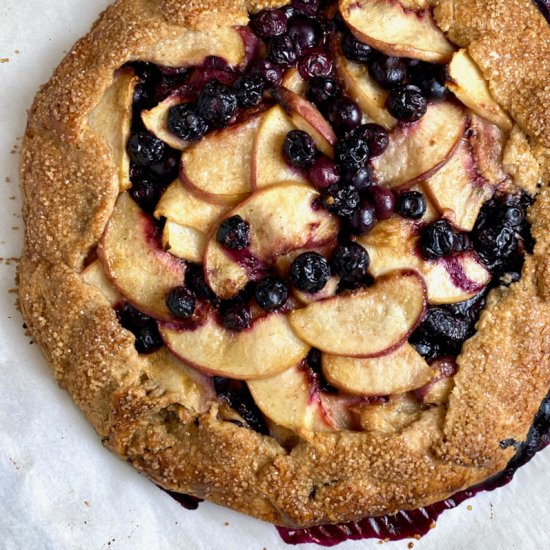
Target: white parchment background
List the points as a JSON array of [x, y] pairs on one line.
[[59, 488]]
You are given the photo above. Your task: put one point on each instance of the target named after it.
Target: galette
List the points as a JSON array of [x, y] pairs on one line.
[[294, 258]]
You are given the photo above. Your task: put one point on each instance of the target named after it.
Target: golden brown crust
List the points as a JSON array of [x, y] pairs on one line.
[[69, 187]]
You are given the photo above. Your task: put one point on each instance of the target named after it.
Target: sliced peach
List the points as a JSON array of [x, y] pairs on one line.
[[393, 244], [305, 116], [95, 275], [219, 167], [191, 388], [112, 120], [291, 400], [156, 121], [269, 166], [457, 190], [282, 218], [184, 242], [268, 348], [437, 391], [362, 88], [365, 323], [135, 262], [465, 80], [418, 150], [294, 82], [397, 372], [387, 26], [179, 205]]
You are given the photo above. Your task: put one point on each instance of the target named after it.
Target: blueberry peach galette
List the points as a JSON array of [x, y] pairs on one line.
[[294, 259]]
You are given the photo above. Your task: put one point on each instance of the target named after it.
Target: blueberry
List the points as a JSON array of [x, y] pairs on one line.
[[148, 339], [445, 329], [146, 193], [271, 293], [234, 233], [344, 114], [495, 244], [341, 200], [269, 23], [315, 64], [270, 73], [407, 103], [217, 104], [196, 282], [387, 71], [305, 7], [181, 302], [350, 261], [355, 50], [305, 32], [462, 242], [238, 397], [429, 78], [310, 272], [145, 149], [437, 240], [383, 201], [186, 123], [412, 205], [167, 169], [323, 173], [351, 153], [363, 218], [512, 212], [283, 51], [376, 136], [249, 90], [236, 316], [299, 149], [132, 319], [361, 178], [321, 90]]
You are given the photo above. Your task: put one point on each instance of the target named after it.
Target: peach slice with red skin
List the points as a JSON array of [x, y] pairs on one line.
[[466, 81], [437, 391], [292, 399], [417, 150], [269, 166], [366, 323], [306, 117], [458, 191], [219, 167], [397, 372], [389, 27], [135, 262], [156, 121], [267, 348], [361, 87], [282, 218], [393, 244]]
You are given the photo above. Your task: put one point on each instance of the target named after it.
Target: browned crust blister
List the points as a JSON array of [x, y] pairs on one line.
[[69, 188]]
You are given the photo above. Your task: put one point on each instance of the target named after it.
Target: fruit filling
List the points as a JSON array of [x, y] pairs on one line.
[[312, 225]]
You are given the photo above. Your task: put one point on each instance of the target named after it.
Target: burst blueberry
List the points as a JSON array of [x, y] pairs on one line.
[[181, 302], [310, 272], [234, 233], [145, 149], [412, 205], [407, 103], [271, 293], [299, 149], [351, 262], [186, 123], [341, 200], [217, 104]]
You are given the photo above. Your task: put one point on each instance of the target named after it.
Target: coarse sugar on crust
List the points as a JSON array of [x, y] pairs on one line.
[[70, 185]]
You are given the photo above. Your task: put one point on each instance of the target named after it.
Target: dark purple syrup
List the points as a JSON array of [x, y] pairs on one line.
[[187, 501], [416, 523], [544, 7]]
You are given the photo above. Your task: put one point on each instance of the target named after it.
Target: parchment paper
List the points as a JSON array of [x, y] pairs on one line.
[[59, 488]]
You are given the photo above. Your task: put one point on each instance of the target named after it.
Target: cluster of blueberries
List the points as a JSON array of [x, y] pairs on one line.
[[296, 35]]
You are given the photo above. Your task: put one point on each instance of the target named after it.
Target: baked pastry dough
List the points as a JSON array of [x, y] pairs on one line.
[[155, 413]]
